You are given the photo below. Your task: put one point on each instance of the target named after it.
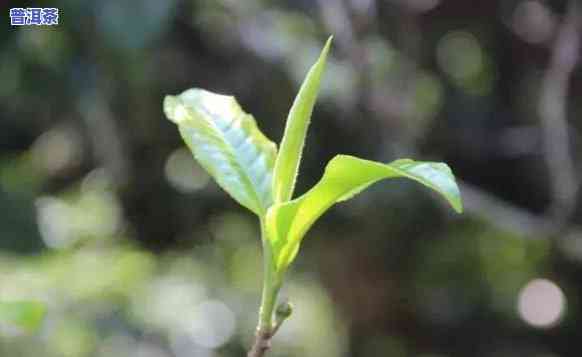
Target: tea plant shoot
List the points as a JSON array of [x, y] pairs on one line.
[[227, 142]]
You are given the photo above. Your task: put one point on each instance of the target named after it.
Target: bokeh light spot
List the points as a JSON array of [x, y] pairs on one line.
[[533, 22], [459, 55], [541, 303], [56, 150], [213, 324], [183, 173]]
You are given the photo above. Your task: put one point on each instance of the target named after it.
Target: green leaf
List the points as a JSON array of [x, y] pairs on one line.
[[287, 163], [344, 177], [227, 143], [22, 315]]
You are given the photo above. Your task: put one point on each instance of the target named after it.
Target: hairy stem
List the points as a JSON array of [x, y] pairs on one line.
[[271, 286]]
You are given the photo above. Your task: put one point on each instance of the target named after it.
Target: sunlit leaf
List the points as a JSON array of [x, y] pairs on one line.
[[344, 177], [227, 143], [287, 163], [22, 315]]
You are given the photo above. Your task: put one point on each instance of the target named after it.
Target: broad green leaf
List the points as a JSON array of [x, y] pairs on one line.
[[227, 143], [22, 315], [344, 177], [287, 163]]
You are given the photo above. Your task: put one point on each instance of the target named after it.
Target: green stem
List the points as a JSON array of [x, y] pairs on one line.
[[271, 286]]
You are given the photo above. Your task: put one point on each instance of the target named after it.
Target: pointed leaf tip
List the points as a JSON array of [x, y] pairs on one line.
[[326, 47], [289, 158]]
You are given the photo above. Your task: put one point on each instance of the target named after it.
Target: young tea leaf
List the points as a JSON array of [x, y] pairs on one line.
[[287, 163], [344, 177], [25, 316], [227, 143]]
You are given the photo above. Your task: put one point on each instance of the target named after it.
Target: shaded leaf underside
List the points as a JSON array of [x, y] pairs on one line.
[[227, 143]]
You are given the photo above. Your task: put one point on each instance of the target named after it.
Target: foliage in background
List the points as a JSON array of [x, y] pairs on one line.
[[25, 316]]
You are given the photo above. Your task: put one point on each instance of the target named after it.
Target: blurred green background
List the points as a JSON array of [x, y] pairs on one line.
[[106, 218]]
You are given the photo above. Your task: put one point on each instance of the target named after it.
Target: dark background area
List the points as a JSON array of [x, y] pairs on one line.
[[106, 218]]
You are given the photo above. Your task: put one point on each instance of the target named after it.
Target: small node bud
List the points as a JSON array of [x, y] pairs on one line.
[[284, 310]]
